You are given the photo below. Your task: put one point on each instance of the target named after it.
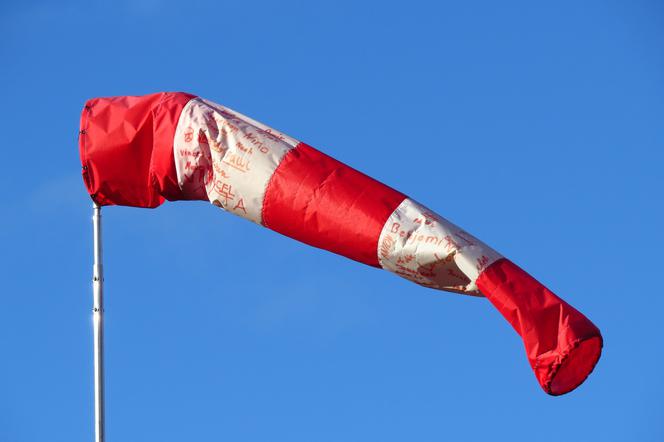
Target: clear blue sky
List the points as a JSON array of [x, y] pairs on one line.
[[539, 128]]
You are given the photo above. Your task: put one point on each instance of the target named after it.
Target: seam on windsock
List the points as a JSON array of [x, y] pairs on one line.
[[180, 130], [155, 111], [325, 203], [82, 135], [179, 123], [259, 146], [240, 164], [268, 186], [152, 178]]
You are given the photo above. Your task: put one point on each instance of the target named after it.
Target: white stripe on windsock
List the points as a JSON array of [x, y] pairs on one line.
[[425, 248], [226, 156]]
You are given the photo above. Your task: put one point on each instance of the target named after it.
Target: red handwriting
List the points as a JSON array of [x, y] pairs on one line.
[[278, 136], [224, 124], [190, 153], [242, 148], [221, 172], [386, 246], [240, 205], [428, 219], [406, 258], [413, 238], [193, 167], [188, 135], [408, 273], [217, 146], [225, 190], [427, 270], [251, 137], [450, 244], [236, 162], [427, 239]]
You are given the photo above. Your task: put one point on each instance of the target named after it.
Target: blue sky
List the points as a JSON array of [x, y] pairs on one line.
[[536, 127]]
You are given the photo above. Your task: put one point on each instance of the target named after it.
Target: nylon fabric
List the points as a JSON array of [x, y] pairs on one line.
[[126, 148], [324, 203], [562, 345], [227, 158], [423, 247], [139, 151]]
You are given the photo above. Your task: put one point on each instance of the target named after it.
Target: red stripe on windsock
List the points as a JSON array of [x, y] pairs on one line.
[[324, 203], [562, 345], [126, 148]]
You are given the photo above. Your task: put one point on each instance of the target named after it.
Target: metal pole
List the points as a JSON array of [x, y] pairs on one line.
[[98, 323]]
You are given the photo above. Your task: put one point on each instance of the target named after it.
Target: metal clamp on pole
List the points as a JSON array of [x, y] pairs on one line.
[[98, 322]]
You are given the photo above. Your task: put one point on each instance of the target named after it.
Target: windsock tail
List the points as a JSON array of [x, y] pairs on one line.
[[562, 345]]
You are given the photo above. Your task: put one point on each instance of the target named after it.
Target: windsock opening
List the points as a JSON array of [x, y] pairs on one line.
[[126, 148], [575, 367], [562, 345]]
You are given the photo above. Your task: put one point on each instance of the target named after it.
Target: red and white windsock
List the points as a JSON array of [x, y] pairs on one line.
[[141, 151]]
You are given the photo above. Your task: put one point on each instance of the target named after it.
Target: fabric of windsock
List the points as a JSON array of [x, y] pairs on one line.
[[141, 151]]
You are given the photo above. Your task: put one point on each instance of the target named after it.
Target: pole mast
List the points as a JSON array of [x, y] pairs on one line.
[[98, 323]]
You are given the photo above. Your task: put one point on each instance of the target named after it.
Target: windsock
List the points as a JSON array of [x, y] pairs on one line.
[[141, 151]]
